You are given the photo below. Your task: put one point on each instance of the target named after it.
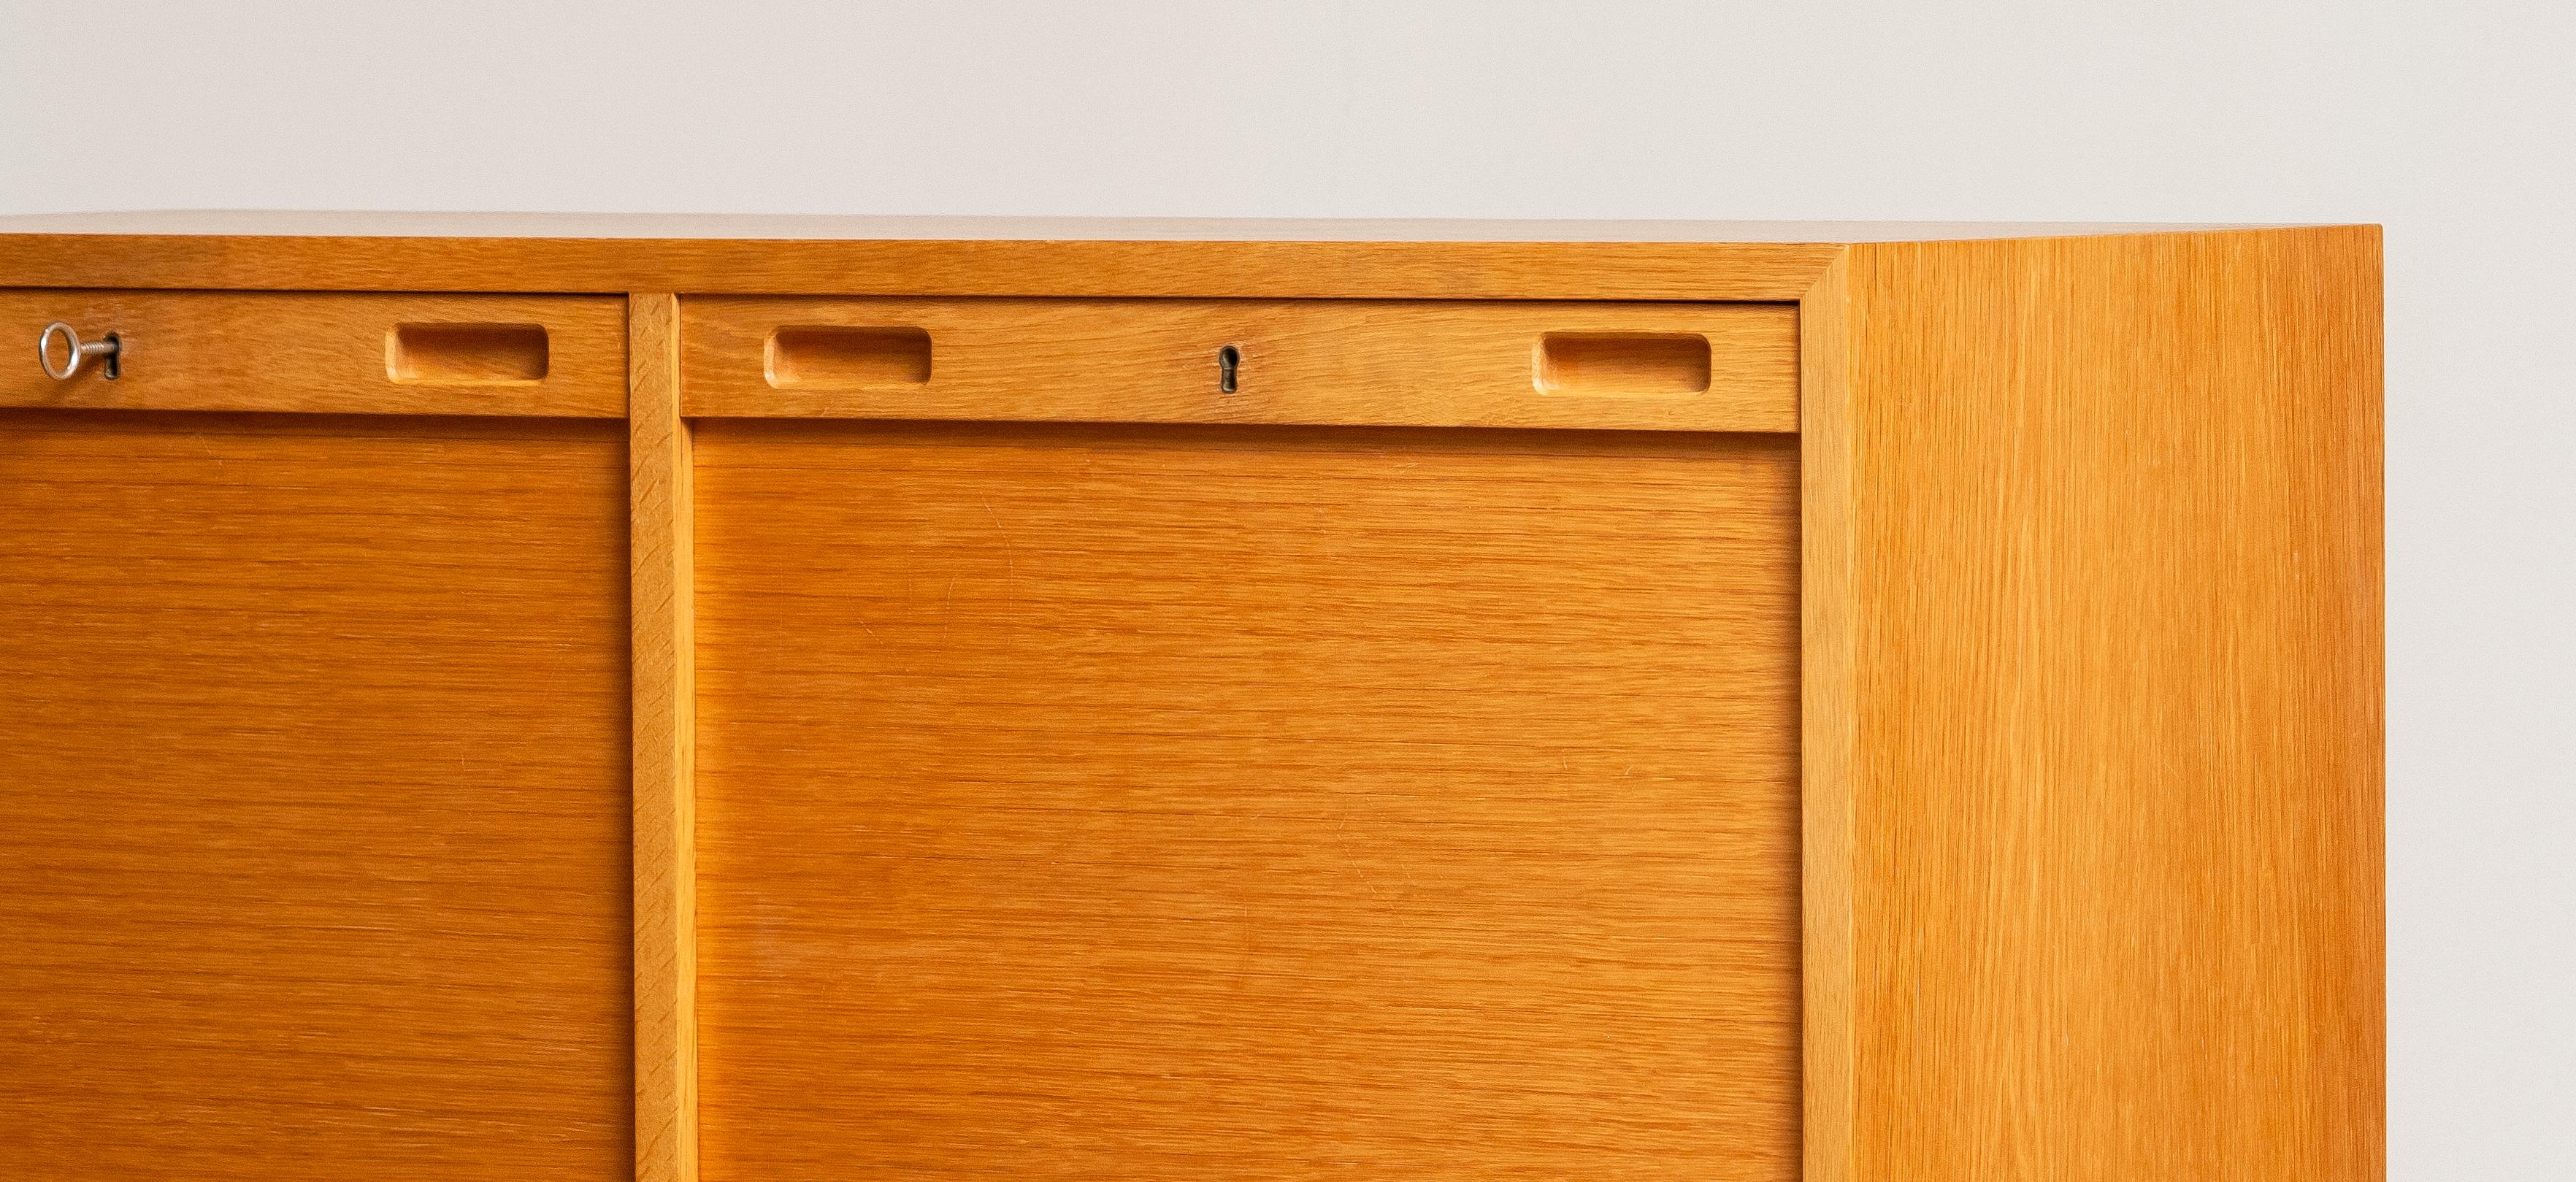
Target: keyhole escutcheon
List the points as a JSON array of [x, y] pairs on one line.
[[1228, 359]]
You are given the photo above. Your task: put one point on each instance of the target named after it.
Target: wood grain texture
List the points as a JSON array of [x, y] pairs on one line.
[[1319, 362], [1246, 268], [2109, 654], [1246, 803], [664, 652], [1082, 257], [299, 351], [361, 223], [1825, 724], [313, 850]]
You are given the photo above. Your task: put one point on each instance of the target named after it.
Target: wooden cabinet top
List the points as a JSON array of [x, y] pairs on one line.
[[790, 254]]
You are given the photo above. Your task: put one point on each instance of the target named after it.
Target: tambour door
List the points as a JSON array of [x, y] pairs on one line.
[[313, 814], [1193, 739]]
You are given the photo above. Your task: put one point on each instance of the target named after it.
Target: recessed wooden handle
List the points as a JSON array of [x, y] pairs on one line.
[[1615, 363], [467, 354], [832, 356]]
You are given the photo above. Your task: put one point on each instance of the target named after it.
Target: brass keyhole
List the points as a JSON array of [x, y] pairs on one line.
[[1227, 359]]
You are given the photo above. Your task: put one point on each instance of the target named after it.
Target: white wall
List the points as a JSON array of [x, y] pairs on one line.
[[2448, 122]]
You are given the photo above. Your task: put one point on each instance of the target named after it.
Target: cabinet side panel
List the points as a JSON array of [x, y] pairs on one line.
[[2117, 676], [313, 811]]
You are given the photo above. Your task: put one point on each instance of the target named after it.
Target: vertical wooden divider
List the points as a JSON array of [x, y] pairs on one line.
[[1826, 728], [666, 1034]]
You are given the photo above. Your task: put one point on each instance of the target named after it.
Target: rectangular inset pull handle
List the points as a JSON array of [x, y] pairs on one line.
[[1615, 363], [847, 358], [466, 354]]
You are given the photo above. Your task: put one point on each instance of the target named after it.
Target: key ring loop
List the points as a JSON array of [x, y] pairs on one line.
[[76, 353]]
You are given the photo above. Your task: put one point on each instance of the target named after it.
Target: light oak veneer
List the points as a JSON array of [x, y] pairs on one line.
[[1188, 803], [1418, 363], [1598, 700], [332, 354], [313, 853], [2094, 682]]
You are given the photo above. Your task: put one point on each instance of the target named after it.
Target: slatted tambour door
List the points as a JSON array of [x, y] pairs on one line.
[[1186, 802], [313, 816]]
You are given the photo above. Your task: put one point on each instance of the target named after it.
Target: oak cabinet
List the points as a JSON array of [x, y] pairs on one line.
[[773, 699]]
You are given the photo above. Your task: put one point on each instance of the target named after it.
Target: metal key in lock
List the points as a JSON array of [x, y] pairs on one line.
[[77, 353]]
